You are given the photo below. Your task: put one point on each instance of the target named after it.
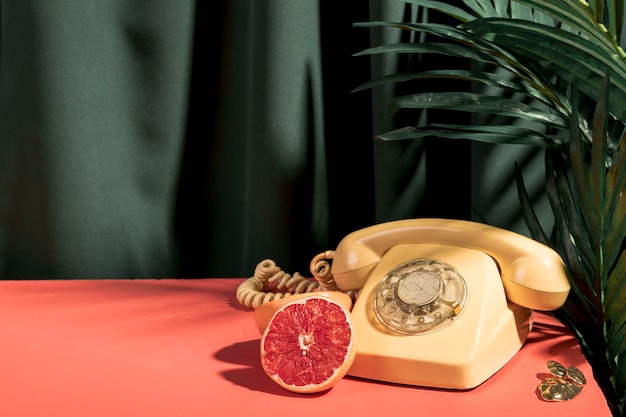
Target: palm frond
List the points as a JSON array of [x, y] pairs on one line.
[[615, 209], [616, 328], [616, 19], [588, 20], [488, 51], [577, 60], [570, 223], [510, 134], [487, 79], [515, 78], [594, 310], [597, 169], [477, 103], [477, 7], [530, 217]]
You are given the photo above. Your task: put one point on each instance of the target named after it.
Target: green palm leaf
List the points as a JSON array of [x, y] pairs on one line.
[[616, 18], [516, 77], [491, 52], [571, 14], [569, 221], [615, 210], [530, 218], [584, 18], [576, 59], [483, 8], [511, 134], [616, 329], [485, 78], [478, 103], [597, 170], [507, 81], [456, 12]]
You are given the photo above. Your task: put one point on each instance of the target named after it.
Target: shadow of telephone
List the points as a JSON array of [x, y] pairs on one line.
[[443, 303]]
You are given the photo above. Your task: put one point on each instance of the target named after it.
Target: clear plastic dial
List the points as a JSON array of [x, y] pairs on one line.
[[420, 296]]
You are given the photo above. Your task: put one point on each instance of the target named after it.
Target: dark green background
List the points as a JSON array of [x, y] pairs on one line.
[[193, 139]]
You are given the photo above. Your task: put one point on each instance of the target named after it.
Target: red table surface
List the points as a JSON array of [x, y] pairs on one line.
[[187, 348]]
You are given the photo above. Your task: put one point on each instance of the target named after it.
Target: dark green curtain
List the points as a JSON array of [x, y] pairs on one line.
[[93, 104], [152, 138]]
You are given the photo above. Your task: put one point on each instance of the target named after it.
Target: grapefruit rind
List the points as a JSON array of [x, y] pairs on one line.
[[308, 345], [264, 313]]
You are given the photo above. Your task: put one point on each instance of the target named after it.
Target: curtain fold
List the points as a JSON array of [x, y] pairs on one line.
[[93, 98], [154, 139], [254, 182]]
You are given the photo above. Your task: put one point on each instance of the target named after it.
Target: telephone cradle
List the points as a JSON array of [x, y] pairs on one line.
[[443, 303]]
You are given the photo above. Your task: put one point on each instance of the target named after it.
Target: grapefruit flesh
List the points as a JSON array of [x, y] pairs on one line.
[[308, 345]]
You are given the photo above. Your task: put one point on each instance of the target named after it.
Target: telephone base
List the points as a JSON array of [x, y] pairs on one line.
[[486, 334]]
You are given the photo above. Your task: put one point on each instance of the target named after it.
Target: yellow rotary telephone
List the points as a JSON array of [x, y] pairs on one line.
[[443, 303]]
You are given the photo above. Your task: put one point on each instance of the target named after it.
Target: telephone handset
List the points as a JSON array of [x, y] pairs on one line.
[[444, 303]]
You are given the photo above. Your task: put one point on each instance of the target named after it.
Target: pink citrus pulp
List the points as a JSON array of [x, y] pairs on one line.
[[308, 345]]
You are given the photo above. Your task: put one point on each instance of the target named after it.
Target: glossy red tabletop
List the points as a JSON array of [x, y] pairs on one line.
[[186, 348]]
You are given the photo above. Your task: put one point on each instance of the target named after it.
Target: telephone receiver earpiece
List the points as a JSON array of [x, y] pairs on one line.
[[533, 275]]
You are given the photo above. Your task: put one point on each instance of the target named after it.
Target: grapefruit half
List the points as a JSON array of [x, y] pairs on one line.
[[308, 345]]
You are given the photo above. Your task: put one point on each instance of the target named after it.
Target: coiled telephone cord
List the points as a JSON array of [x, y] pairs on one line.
[[253, 292]]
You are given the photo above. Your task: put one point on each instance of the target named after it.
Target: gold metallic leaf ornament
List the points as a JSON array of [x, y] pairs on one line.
[[564, 385]]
